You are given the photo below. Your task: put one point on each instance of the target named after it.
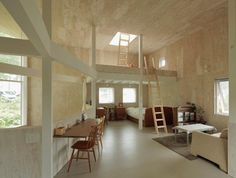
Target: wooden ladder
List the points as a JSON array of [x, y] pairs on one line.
[[157, 105], [123, 49]]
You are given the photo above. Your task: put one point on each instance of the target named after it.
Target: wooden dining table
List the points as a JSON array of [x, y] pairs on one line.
[[80, 130]]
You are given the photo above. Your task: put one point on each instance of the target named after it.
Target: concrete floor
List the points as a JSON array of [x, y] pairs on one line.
[[130, 153]]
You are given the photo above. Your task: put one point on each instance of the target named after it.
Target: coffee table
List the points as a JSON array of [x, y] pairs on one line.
[[188, 129]]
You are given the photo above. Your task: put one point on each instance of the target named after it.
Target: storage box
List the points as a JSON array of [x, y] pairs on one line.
[[59, 131]]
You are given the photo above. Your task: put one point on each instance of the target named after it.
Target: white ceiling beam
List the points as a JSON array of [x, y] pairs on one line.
[[62, 56], [29, 72], [28, 17], [17, 47], [18, 70], [66, 78]]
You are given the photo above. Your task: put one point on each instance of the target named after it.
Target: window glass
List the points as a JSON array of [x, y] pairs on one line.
[[129, 95], [11, 95], [106, 95], [222, 97], [162, 62]]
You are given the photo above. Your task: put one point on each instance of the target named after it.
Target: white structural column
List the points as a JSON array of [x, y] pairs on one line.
[[47, 123], [93, 64], [232, 87], [47, 115], [141, 82], [47, 15]]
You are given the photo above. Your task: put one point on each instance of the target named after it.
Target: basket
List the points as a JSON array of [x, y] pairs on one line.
[[59, 131]]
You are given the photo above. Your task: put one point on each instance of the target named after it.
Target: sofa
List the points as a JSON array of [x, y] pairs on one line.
[[212, 147]]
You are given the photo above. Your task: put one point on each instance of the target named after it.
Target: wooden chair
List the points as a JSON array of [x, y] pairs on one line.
[[84, 146], [100, 132]]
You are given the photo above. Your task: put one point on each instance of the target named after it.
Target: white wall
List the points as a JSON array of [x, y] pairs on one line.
[[20, 152]]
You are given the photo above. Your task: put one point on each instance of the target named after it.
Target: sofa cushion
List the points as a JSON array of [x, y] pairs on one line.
[[224, 133]]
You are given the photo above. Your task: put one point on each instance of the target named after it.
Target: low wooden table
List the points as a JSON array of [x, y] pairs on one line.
[[80, 130], [188, 129]]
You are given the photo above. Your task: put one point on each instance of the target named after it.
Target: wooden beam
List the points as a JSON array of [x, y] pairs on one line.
[[117, 76], [141, 82], [29, 72], [66, 78], [232, 87], [18, 70], [62, 56], [27, 15], [47, 96], [47, 16], [17, 47], [93, 85], [93, 49], [47, 121]]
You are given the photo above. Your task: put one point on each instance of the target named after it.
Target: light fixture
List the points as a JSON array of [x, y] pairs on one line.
[[115, 39]]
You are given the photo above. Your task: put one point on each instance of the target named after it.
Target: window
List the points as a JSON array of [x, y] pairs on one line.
[[222, 97], [12, 95], [162, 62], [129, 95], [125, 36], [106, 95]]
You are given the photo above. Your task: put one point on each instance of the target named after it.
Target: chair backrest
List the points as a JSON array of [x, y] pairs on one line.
[[101, 126], [92, 136]]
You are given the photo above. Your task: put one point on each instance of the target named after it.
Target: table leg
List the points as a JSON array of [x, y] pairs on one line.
[[187, 138], [175, 135]]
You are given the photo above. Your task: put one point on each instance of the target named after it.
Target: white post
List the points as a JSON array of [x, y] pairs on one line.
[[232, 86], [141, 82], [47, 15], [93, 84], [47, 115], [47, 123]]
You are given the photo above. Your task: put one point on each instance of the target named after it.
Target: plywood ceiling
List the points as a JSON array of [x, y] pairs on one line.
[[8, 25], [160, 21]]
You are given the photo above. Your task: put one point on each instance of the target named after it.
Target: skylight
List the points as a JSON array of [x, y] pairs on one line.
[[115, 39]]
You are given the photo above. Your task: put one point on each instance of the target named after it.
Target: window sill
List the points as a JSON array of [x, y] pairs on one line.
[[221, 116]]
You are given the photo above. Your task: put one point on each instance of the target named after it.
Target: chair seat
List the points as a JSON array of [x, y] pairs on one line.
[[82, 145]]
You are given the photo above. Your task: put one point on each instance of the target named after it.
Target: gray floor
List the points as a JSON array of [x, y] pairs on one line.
[[130, 153]]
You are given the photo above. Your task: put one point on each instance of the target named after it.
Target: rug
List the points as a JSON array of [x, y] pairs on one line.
[[179, 146]]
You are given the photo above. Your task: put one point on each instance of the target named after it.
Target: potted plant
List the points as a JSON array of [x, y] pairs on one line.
[[200, 114]]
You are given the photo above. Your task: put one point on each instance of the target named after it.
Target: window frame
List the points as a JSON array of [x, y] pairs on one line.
[[160, 62], [24, 91], [135, 89], [215, 96], [113, 99]]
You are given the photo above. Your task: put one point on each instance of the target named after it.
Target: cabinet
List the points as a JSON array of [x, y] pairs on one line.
[[120, 113], [186, 115], [100, 112]]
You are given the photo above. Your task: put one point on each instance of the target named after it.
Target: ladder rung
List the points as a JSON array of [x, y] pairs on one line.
[[158, 112], [124, 40], [160, 127], [159, 119]]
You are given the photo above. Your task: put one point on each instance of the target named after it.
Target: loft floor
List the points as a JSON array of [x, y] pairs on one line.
[[130, 153]]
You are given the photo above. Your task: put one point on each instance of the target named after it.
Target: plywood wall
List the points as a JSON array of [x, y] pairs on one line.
[[169, 92], [67, 96], [199, 59]]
